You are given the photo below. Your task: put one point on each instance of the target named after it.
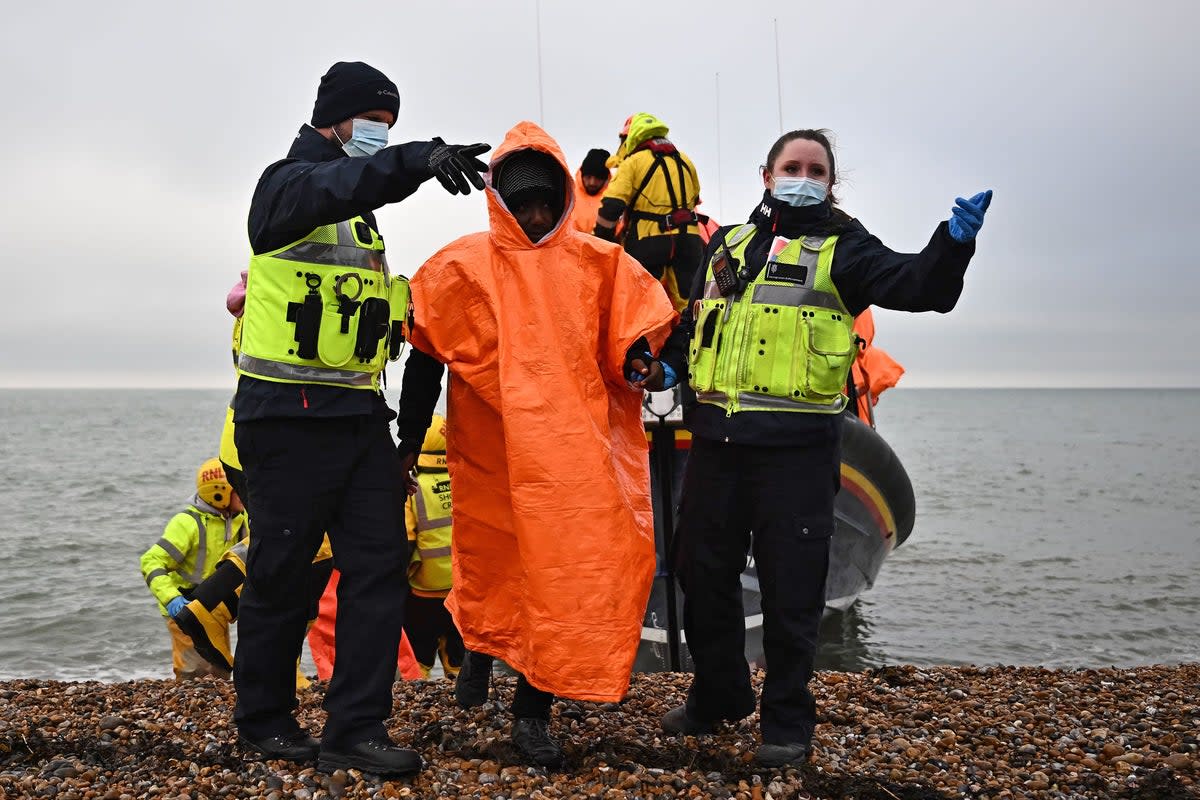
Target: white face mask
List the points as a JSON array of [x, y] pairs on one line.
[[368, 138], [799, 192]]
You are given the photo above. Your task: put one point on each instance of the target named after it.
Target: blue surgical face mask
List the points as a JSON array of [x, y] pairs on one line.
[[368, 138], [799, 192]]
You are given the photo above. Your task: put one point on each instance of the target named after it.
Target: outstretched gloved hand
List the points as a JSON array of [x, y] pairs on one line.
[[176, 605], [455, 164], [967, 217]]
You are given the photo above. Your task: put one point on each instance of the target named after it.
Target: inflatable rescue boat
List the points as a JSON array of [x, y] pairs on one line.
[[874, 513]]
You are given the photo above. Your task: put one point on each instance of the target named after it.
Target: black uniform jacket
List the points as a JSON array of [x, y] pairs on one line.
[[865, 273], [318, 184]]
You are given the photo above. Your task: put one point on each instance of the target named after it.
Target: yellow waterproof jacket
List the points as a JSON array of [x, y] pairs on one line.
[[655, 198], [192, 543]]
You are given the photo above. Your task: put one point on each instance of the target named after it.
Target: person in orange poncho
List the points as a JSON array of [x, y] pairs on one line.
[[873, 372], [591, 179], [540, 326]]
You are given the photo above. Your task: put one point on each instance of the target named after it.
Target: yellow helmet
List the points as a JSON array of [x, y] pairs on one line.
[[642, 127], [433, 449], [211, 484]]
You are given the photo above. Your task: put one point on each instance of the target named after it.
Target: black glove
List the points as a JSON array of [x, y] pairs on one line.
[[455, 164]]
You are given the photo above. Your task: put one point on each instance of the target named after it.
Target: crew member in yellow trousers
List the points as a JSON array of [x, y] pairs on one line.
[[189, 550]]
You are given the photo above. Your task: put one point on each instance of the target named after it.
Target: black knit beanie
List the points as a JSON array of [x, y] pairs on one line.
[[595, 163], [350, 88], [528, 172]]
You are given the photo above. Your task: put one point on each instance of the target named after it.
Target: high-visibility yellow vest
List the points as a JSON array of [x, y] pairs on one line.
[[430, 569], [324, 310], [785, 342]]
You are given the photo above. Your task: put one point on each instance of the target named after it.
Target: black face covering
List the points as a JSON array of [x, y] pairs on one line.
[[526, 172]]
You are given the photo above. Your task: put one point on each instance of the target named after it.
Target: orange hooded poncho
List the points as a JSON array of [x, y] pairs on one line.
[[587, 206], [553, 527]]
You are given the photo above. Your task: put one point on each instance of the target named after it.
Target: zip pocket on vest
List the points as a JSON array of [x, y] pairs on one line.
[[831, 350], [770, 353], [705, 343]]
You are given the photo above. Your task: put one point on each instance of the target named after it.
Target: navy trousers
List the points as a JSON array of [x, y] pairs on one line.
[[306, 477]]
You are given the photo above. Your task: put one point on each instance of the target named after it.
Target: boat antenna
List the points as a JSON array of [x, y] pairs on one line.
[[778, 79], [720, 190], [537, 4]]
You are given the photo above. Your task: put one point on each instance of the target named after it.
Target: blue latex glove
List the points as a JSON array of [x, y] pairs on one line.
[[669, 377], [176, 605], [966, 218]]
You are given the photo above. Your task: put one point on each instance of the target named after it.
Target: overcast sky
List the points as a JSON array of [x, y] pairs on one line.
[[133, 134]]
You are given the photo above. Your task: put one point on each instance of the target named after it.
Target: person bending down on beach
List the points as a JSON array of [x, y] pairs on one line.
[[540, 325], [767, 341], [191, 546]]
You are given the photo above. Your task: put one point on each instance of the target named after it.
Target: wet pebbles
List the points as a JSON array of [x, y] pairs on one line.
[[895, 733]]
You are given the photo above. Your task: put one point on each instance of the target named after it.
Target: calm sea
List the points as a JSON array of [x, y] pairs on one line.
[[1056, 528]]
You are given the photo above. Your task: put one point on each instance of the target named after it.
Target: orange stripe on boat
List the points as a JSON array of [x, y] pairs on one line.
[[862, 488], [683, 439]]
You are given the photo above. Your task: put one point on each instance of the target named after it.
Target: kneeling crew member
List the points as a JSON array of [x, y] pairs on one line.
[[191, 546]]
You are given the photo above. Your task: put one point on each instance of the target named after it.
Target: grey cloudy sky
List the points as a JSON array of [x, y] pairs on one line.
[[133, 133]]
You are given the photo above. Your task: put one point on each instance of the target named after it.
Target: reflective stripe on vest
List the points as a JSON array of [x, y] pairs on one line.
[[431, 568], [785, 343], [425, 521], [345, 253], [298, 373]]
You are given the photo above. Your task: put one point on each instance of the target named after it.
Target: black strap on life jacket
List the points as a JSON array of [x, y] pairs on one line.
[[680, 214]]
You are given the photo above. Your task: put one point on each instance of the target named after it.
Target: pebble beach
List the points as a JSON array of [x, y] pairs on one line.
[[894, 733]]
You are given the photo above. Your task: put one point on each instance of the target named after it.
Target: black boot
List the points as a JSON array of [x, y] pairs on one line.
[[474, 678], [782, 755], [677, 720], [376, 756], [297, 747], [531, 736]]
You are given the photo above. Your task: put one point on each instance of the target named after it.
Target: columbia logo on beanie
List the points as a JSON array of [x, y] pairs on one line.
[[350, 88]]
